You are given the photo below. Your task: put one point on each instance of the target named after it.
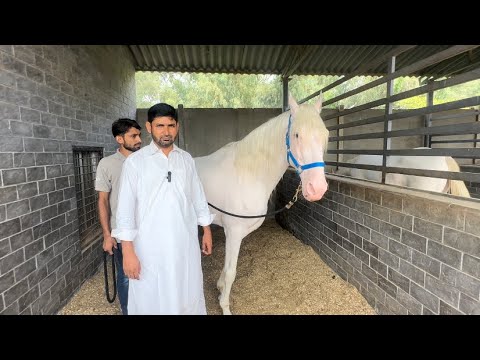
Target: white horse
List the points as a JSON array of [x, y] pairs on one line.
[[239, 177], [440, 163]]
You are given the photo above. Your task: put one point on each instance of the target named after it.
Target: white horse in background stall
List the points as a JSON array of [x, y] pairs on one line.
[[440, 163], [239, 177]]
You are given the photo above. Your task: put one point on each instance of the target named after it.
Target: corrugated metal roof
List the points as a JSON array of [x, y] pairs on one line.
[[290, 60]]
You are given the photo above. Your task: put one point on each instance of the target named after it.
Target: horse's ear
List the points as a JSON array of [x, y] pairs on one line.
[[292, 103], [318, 104]]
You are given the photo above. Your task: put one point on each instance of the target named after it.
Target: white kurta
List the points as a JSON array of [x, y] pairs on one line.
[[161, 218]]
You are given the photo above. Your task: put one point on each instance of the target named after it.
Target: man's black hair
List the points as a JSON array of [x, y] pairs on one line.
[[121, 126], [162, 109]]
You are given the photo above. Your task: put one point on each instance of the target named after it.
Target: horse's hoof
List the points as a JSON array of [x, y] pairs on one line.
[[227, 312]]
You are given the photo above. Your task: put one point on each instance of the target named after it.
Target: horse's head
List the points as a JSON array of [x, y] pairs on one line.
[[308, 139]]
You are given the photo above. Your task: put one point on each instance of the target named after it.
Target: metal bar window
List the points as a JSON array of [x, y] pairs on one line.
[[85, 161]]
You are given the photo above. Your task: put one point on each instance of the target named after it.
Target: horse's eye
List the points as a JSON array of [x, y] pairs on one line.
[[296, 135]]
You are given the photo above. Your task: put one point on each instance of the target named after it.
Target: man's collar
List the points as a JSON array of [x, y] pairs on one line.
[[119, 154], [153, 148]]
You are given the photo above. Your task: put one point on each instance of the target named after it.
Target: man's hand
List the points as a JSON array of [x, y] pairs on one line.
[[207, 241], [131, 264], [109, 243]]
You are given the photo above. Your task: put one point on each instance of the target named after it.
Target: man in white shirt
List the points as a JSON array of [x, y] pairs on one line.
[[161, 202]]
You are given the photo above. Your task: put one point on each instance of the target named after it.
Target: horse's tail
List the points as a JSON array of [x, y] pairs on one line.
[[457, 187]]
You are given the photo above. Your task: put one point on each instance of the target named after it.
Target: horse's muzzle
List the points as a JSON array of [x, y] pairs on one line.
[[314, 187]]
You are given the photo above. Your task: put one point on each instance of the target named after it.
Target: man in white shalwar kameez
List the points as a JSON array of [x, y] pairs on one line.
[[161, 201]]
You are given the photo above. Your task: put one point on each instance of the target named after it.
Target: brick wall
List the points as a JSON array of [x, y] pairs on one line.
[[406, 252], [52, 97]]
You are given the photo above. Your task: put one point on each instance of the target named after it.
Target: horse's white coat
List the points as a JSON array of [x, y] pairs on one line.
[[440, 163], [240, 177]]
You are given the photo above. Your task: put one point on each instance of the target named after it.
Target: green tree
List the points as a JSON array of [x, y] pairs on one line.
[[198, 90], [208, 90]]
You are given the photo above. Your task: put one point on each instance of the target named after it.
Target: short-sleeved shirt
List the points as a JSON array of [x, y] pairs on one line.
[[107, 179]]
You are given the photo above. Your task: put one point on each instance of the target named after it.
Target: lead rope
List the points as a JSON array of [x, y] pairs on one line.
[[105, 273], [287, 206]]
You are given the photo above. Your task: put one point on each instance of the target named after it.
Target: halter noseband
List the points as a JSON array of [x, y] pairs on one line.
[[299, 168]]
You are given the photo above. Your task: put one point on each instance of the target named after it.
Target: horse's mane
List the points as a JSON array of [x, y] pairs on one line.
[[255, 150], [258, 151]]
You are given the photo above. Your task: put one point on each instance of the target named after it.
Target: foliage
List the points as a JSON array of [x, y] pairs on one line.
[[208, 90], [199, 90], [457, 92]]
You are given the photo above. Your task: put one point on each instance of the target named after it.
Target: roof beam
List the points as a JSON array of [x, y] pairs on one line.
[[136, 56], [298, 57], [361, 69], [290, 60]]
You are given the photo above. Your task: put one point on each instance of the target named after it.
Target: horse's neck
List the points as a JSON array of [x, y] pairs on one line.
[[262, 154]]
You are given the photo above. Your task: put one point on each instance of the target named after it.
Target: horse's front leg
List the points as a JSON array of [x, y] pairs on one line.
[[232, 248], [221, 280]]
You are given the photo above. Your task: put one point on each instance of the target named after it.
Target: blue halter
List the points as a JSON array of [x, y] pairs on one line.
[[296, 165]]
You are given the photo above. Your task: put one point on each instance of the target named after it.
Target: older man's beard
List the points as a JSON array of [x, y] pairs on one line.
[[164, 143]]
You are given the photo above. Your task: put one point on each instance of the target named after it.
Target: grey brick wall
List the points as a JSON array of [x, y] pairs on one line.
[[405, 254], [52, 97]]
